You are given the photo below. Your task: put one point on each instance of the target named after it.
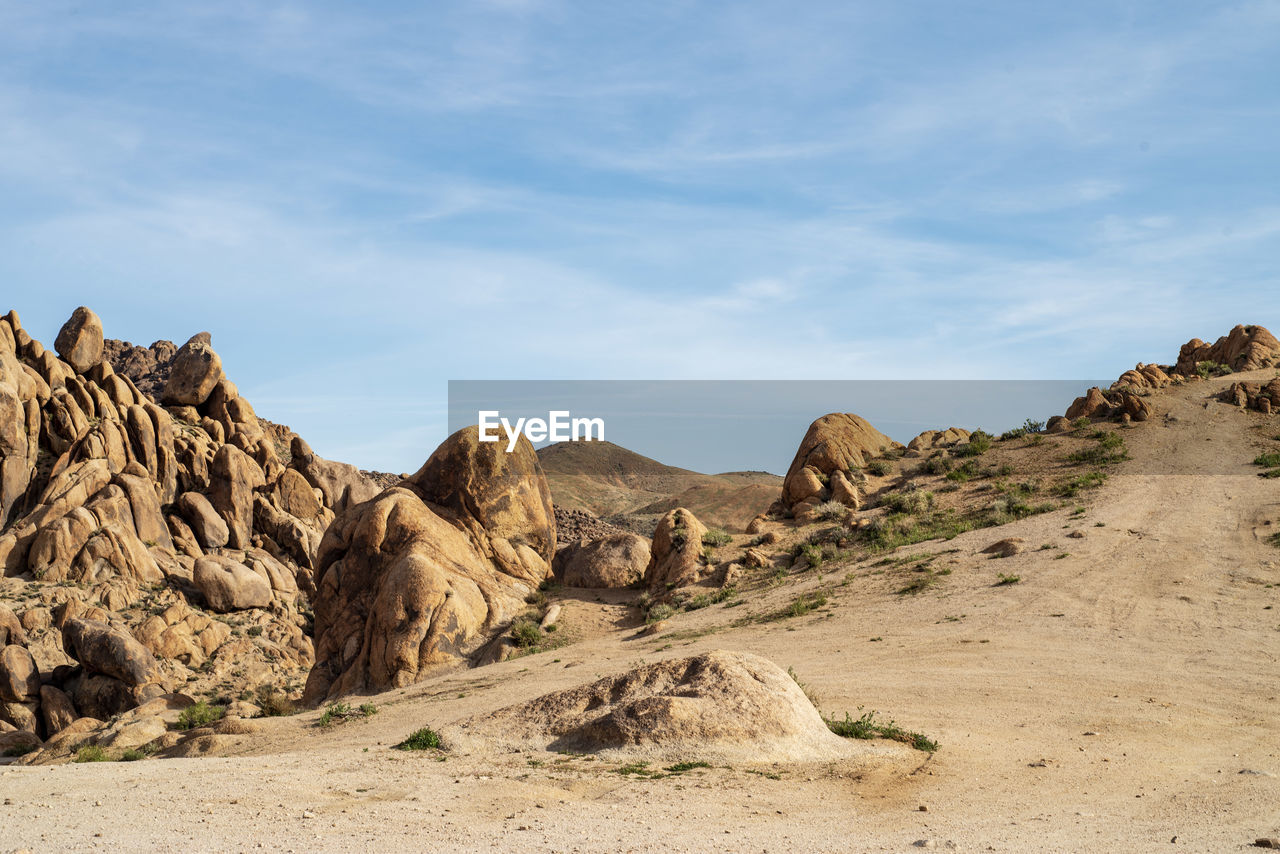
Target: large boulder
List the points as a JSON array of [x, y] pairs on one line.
[[209, 528], [341, 484], [194, 372], [1244, 348], [233, 477], [1094, 404], [675, 558], [413, 580], [840, 441], [616, 560], [228, 585], [79, 342], [726, 706], [19, 676], [108, 651]]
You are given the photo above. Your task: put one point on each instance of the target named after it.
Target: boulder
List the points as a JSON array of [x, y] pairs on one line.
[[341, 484], [233, 477], [79, 342], [108, 651], [194, 372], [19, 676], [726, 706], [56, 710], [836, 442], [1005, 548], [1093, 405], [421, 576], [11, 630], [209, 528], [618, 560], [228, 585], [675, 558]]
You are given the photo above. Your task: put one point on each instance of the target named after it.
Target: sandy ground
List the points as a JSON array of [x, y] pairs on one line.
[[1119, 699]]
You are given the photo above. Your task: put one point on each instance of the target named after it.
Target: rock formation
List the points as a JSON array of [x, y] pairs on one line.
[[154, 547], [728, 706], [675, 557], [828, 462], [421, 575], [1244, 348]]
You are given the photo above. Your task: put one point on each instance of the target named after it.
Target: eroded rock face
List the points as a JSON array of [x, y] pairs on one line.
[[421, 575], [675, 558], [617, 560], [108, 498], [79, 342], [726, 705], [1244, 348], [839, 442]]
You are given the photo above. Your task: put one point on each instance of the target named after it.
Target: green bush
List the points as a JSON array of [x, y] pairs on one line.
[[830, 511], [423, 739], [910, 501], [659, 612], [715, 538], [979, 443], [199, 715], [880, 468], [526, 633], [91, 753], [1209, 368], [866, 727]]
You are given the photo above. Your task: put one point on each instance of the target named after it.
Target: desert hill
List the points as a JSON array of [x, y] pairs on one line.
[[1058, 639], [632, 491]]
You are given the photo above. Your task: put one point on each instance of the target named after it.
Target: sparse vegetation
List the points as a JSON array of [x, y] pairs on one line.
[[979, 443], [274, 703], [867, 727], [526, 633], [880, 468], [1002, 579], [199, 715], [1110, 449], [422, 739], [716, 538], [338, 713], [830, 511], [91, 753], [1209, 368], [1270, 461], [1074, 486], [659, 612], [808, 692]]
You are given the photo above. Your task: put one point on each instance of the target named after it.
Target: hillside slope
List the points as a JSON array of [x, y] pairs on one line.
[[1118, 696]]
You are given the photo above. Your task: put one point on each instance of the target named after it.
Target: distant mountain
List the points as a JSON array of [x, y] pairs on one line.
[[633, 490]]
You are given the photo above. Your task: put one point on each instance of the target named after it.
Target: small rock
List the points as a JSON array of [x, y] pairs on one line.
[[1266, 842], [308, 814]]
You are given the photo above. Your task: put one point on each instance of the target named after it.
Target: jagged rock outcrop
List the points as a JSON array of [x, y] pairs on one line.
[[675, 557], [728, 706], [1098, 404], [1143, 377], [1263, 397], [827, 464], [931, 440], [615, 560], [109, 503], [421, 575]]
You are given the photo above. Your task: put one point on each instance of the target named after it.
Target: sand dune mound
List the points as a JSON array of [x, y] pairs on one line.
[[723, 705]]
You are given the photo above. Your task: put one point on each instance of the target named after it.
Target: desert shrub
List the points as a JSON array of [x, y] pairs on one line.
[[965, 472], [802, 605], [659, 612], [526, 633], [834, 511], [1270, 461], [274, 703], [1072, 487], [715, 538], [866, 727], [1209, 368], [911, 501], [91, 753], [979, 443], [200, 714], [422, 739], [133, 754], [880, 468], [936, 464], [1110, 449], [1002, 579]]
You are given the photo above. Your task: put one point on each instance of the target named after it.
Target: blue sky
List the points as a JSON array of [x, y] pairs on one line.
[[362, 202]]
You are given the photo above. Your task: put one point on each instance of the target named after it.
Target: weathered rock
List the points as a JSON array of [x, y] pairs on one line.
[[210, 529], [195, 370], [108, 651], [676, 554], [19, 676], [56, 710], [729, 706], [1245, 348], [228, 585], [618, 560], [11, 630], [501, 499], [79, 342], [233, 477], [836, 442], [341, 484], [1093, 405], [405, 586]]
